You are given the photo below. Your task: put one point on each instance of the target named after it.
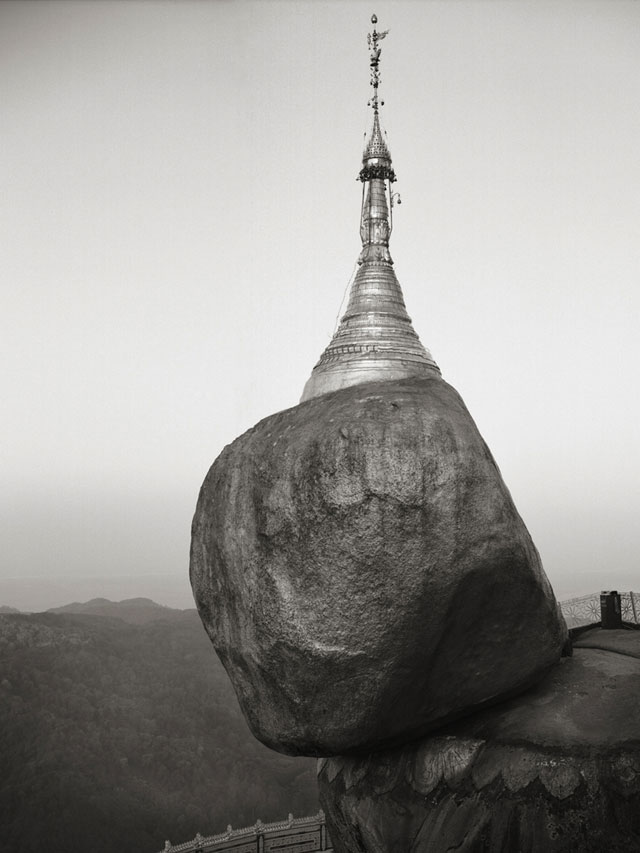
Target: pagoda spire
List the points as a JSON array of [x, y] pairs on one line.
[[375, 340]]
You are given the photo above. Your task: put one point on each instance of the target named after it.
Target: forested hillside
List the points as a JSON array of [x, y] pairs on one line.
[[116, 736]]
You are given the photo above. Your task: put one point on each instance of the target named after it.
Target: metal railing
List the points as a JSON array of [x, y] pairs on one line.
[[586, 609], [294, 835]]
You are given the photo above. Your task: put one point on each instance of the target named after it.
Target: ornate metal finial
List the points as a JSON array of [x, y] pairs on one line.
[[374, 60], [376, 158]]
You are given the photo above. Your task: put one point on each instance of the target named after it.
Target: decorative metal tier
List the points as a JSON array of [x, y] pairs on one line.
[[375, 340]]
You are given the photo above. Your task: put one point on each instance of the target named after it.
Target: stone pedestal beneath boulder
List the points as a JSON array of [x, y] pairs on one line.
[[556, 770], [363, 572]]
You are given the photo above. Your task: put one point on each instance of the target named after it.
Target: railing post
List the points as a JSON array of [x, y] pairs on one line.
[[323, 830], [610, 610]]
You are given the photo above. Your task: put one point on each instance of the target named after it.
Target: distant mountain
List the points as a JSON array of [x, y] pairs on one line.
[[5, 609], [34, 594], [135, 611], [116, 735]]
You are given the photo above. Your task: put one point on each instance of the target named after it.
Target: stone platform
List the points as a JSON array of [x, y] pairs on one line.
[[555, 770]]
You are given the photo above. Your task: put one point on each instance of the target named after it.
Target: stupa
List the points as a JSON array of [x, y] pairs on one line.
[[375, 339]]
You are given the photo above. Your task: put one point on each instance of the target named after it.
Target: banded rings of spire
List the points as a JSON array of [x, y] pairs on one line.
[[375, 339]]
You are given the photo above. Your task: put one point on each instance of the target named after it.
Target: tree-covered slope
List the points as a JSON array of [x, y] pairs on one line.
[[116, 736]]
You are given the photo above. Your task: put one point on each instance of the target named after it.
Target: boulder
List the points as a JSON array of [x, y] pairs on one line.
[[363, 573], [555, 770]]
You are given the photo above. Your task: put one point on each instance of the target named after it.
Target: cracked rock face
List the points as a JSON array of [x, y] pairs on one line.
[[363, 573], [556, 770]]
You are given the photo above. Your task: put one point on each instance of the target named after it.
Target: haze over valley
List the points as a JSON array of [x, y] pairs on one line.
[[119, 729]]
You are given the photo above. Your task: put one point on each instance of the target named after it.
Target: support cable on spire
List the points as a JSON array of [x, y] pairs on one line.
[[344, 296]]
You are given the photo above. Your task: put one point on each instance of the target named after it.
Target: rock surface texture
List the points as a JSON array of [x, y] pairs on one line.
[[555, 770], [363, 573]]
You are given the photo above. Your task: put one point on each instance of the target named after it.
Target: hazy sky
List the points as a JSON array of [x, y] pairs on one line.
[[180, 217]]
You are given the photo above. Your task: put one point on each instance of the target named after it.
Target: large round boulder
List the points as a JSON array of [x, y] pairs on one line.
[[555, 770], [363, 573]]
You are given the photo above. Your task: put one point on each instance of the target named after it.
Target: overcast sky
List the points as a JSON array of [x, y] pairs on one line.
[[180, 217]]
